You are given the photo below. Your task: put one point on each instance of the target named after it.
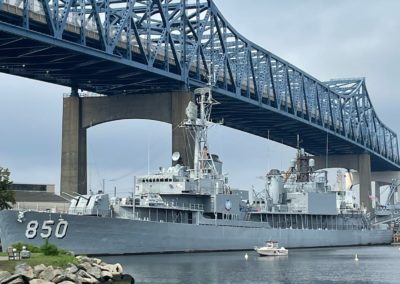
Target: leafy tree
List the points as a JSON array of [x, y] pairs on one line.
[[6, 195]]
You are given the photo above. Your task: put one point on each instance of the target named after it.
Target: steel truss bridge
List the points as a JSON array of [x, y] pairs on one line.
[[115, 47]]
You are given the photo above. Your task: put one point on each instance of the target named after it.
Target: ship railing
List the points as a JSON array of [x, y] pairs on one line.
[[395, 218], [88, 211], [41, 207], [190, 206], [174, 205]]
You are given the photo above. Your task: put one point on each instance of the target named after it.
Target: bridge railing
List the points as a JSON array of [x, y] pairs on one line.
[[191, 40]]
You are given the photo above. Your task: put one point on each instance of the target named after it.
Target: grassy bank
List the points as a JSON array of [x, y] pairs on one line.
[[47, 254], [39, 258]]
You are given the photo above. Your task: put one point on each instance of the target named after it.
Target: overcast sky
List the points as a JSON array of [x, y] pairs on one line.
[[327, 39]]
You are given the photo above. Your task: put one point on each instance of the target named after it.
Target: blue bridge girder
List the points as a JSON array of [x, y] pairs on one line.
[[114, 47]]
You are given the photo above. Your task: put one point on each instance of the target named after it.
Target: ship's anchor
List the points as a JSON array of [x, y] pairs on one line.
[[21, 216]]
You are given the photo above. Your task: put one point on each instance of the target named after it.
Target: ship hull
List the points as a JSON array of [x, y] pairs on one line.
[[102, 235]]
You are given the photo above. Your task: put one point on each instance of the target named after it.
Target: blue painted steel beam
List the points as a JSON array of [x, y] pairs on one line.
[[254, 112], [25, 16], [189, 41], [61, 23], [49, 18], [81, 49]]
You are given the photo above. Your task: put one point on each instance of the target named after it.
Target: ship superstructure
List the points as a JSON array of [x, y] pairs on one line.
[[194, 209], [301, 198], [199, 193]]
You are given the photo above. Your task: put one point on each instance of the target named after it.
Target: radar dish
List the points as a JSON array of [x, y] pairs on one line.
[[176, 156], [191, 111]]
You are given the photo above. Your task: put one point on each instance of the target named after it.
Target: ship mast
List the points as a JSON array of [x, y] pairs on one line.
[[199, 125]]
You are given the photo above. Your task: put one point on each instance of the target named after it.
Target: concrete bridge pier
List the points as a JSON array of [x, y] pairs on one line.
[[73, 148], [80, 113], [360, 163]]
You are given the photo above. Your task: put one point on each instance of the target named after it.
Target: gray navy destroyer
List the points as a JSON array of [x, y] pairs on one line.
[[180, 209]]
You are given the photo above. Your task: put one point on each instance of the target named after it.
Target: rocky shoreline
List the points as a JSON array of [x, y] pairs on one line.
[[88, 270]]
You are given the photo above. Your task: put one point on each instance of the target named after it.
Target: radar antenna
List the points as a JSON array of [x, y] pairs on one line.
[[176, 156]]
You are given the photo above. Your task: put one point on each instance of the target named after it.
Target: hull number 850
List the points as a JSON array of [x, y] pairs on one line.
[[46, 231]]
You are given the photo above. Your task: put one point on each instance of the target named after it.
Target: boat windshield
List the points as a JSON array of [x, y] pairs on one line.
[[270, 244]]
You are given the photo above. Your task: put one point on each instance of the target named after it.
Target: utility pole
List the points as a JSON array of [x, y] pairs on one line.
[[133, 197]]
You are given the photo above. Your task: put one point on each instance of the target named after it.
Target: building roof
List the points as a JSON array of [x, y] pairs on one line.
[[37, 196]]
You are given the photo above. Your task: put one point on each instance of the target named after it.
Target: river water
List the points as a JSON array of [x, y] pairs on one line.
[[376, 264]]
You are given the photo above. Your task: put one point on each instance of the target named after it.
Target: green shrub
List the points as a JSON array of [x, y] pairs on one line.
[[18, 246], [49, 249], [64, 252], [31, 248]]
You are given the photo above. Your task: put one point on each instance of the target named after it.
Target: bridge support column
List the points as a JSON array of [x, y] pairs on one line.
[[182, 140], [73, 156], [81, 113], [361, 163], [364, 170]]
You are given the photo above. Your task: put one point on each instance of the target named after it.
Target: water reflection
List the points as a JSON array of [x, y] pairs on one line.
[[376, 265]]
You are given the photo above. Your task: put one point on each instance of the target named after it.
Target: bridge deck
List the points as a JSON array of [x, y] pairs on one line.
[[126, 47]]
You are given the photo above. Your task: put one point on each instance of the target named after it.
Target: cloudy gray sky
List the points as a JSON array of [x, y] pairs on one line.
[[327, 39]]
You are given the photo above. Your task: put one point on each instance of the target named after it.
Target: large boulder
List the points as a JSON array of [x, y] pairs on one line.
[[49, 273], [4, 275], [106, 275], [85, 266], [83, 258], [88, 271], [95, 260], [84, 277], [118, 270], [25, 269], [95, 272], [61, 276], [40, 281], [38, 268], [15, 279], [115, 269], [72, 269], [70, 276], [57, 272]]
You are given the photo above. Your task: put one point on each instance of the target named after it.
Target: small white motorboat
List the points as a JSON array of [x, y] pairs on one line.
[[271, 248]]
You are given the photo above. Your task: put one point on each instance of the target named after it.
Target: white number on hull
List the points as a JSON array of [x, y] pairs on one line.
[[47, 228], [32, 228], [64, 225]]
